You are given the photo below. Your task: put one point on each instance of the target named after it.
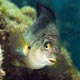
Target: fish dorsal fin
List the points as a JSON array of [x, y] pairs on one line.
[[43, 10], [45, 17]]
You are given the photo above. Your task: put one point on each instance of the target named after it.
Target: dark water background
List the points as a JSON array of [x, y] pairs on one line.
[[68, 21]]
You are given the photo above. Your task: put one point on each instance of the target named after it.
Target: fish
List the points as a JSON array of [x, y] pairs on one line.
[[39, 47]]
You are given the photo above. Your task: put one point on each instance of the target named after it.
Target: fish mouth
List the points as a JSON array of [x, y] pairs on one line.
[[52, 61]]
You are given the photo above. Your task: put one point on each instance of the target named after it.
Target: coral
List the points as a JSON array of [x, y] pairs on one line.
[[74, 72], [15, 17], [2, 17], [2, 73], [1, 55], [11, 19], [29, 12], [2, 21]]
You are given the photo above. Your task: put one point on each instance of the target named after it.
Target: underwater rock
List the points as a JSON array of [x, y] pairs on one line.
[[1, 55], [14, 12], [3, 21], [2, 72], [11, 19], [15, 17], [29, 12]]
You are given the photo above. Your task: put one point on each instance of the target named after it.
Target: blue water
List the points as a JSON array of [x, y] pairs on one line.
[[68, 21]]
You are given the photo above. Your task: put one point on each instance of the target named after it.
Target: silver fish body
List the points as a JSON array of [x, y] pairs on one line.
[[40, 45]]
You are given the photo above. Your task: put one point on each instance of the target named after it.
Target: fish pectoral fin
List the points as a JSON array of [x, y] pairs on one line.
[[18, 63]]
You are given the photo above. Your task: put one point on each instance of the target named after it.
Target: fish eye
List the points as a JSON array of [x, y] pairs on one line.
[[47, 45], [29, 47]]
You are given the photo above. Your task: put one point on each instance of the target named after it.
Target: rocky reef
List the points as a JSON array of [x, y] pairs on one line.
[[12, 19]]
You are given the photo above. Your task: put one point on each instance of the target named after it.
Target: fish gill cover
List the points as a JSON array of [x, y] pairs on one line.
[[30, 44]]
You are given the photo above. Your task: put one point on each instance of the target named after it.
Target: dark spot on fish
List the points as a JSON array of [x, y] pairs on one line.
[[29, 47]]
